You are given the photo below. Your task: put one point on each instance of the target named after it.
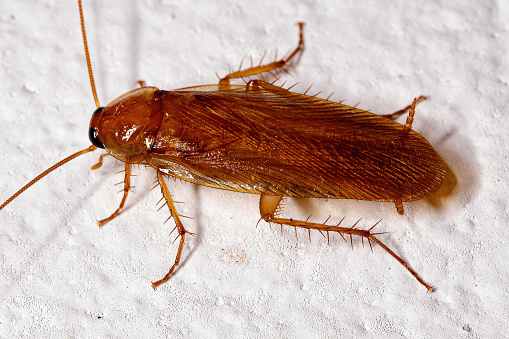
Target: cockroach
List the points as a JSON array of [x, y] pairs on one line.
[[263, 139]]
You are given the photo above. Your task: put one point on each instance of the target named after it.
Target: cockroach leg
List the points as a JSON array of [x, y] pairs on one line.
[[402, 262], [399, 205], [253, 86], [404, 110], [182, 231], [268, 67], [127, 186], [100, 162], [269, 204], [409, 118]]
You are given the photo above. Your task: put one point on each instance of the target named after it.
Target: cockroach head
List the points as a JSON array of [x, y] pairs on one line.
[[93, 131], [127, 127]]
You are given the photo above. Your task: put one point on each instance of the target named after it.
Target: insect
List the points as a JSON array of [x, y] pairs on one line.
[[263, 139]]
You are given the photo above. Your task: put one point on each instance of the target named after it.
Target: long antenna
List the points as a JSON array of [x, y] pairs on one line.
[[46, 172], [77, 154], [89, 64]]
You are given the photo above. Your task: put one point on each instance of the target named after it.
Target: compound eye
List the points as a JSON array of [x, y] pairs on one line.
[[93, 134]]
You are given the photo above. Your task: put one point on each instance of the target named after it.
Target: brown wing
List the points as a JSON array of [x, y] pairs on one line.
[[277, 142]]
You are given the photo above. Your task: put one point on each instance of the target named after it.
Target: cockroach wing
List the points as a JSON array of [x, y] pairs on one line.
[[277, 142]]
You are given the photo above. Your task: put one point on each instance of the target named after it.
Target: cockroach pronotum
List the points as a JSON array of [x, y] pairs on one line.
[[261, 138]]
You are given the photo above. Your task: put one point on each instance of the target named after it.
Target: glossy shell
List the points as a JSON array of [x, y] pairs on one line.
[[265, 139]]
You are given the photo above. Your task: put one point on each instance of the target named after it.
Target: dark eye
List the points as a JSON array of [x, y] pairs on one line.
[[92, 131], [92, 134]]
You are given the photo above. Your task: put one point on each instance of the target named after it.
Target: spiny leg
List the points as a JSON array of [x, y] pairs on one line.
[[268, 67], [127, 186], [404, 110], [181, 230], [406, 129], [409, 118], [269, 204], [399, 206]]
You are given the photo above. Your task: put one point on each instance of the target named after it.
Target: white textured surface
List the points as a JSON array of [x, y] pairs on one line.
[[60, 276]]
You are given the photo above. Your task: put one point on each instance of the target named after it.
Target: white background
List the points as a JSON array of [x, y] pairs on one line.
[[62, 276]]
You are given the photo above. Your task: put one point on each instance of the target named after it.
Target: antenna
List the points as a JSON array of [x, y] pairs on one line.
[[46, 172], [89, 64], [77, 154]]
